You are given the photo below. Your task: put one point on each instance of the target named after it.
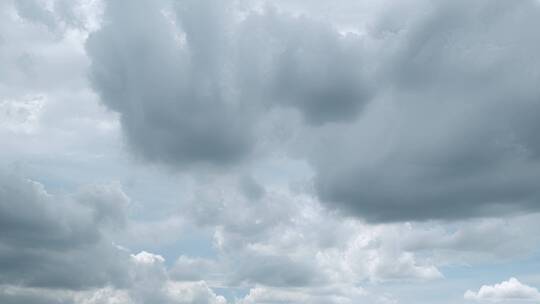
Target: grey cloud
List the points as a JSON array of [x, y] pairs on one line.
[[58, 249], [150, 284], [170, 99], [251, 188], [32, 299], [54, 241], [15, 295], [108, 203], [450, 136], [435, 117], [56, 16], [448, 132], [33, 11], [476, 240], [305, 64], [193, 89]]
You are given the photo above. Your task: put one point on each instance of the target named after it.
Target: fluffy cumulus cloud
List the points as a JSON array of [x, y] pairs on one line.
[[511, 290], [290, 240], [152, 285]]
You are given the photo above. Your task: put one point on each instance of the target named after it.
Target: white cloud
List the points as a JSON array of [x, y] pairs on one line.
[[290, 239], [104, 296], [153, 285], [330, 294], [144, 257], [21, 116], [193, 293], [511, 290]]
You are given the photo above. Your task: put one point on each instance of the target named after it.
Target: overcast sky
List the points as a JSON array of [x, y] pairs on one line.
[[269, 152]]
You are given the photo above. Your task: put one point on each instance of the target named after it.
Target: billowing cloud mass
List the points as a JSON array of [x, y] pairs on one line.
[[290, 240], [263, 152], [451, 137], [511, 290], [171, 101], [193, 83], [448, 133], [54, 249], [47, 240]]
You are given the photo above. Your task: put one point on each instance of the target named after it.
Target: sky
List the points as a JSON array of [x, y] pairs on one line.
[[269, 152]]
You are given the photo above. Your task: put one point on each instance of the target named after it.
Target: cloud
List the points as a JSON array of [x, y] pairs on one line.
[[58, 241], [329, 294], [59, 249], [192, 84], [304, 64], [449, 135], [433, 113], [18, 295], [194, 269], [152, 285], [286, 239], [170, 97], [475, 240], [511, 290], [301, 251], [35, 12], [194, 293], [416, 112]]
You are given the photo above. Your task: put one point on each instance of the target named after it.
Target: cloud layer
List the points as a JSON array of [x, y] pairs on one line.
[[433, 116], [220, 152]]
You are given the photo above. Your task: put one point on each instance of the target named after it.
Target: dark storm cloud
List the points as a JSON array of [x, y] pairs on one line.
[[304, 64], [192, 88], [455, 139], [430, 113], [171, 95], [54, 241]]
